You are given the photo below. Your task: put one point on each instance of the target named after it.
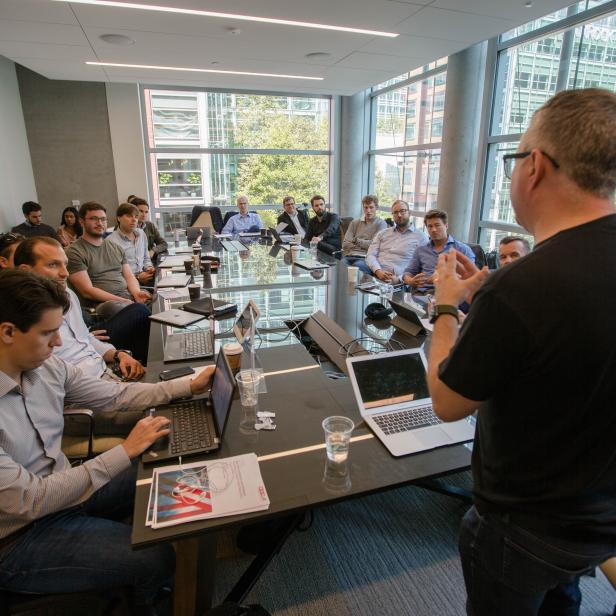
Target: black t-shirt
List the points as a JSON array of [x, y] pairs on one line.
[[539, 348]]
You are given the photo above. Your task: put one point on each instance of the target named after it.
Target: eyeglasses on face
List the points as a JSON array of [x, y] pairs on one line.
[[509, 161], [102, 219]]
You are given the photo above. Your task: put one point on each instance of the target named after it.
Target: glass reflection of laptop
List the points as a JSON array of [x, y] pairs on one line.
[[391, 390]]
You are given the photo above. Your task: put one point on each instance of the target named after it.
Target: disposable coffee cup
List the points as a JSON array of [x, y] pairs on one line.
[[196, 249], [295, 253], [194, 291], [352, 271], [206, 267], [233, 352], [196, 260], [249, 382], [188, 265], [263, 232]]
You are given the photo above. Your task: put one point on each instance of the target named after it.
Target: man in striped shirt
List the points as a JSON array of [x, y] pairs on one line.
[[59, 528]]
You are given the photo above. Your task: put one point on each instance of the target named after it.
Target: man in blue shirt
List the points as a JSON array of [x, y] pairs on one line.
[[245, 221], [420, 272]]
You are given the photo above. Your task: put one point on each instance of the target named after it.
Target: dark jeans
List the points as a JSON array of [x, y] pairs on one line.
[[359, 262], [128, 329], [86, 548], [510, 571]]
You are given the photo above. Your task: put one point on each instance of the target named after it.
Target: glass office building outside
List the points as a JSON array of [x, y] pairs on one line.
[[406, 133], [205, 148], [571, 48]]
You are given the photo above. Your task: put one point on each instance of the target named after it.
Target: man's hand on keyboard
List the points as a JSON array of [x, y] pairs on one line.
[[203, 381], [145, 432]]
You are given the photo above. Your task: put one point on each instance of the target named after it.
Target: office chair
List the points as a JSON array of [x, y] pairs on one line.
[[344, 226], [480, 255], [215, 215], [79, 441]]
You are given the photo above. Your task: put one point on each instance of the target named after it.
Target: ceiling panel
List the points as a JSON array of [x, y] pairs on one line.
[[38, 32], [48, 37], [453, 25]]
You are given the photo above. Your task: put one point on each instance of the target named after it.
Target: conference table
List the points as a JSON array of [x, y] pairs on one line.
[[304, 386]]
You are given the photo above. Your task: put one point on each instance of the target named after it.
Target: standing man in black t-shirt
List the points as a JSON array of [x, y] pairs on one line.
[[537, 356]]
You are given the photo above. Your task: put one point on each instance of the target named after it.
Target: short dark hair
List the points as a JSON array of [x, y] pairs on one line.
[[90, 206], [436, 214], [508, 239], [370, 199], [78, 227], [288, 198], [30, 206], [137, 200], [7, 240], [24, 255], [127, 208], [316, 198], [25, 296]]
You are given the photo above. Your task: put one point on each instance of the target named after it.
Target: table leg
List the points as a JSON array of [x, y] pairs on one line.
[[448, 490], [195, 574]]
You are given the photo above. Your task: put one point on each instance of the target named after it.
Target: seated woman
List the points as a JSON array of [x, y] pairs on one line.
[[70, 228]]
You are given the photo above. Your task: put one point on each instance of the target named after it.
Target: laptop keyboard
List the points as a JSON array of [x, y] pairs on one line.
[[407, 419], [190, 429], [197, 343]]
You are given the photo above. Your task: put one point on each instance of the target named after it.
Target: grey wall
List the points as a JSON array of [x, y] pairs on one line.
[[70, 143], [16, 178], [127, 139]]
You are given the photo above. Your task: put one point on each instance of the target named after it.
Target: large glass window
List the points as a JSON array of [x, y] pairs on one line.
[[205, 148], [406, 137], [578, 54]]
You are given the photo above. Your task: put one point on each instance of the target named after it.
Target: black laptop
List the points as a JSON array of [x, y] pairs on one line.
[[197, 425], [208, 306], [407, 318]]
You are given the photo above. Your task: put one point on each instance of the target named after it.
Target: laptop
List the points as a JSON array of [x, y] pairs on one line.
[[177, 318], [233, 245], [407, 315], [391, 390], [206, 306], [197, 425], [183, 346], [311, 264], [173, 280], [284, 241], [172, 261]]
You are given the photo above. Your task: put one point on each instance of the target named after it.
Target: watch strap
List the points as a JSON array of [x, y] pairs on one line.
[[441, 309]]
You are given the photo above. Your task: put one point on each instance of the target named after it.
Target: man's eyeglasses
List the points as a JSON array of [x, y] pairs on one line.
[[509, 161], [102, 219]]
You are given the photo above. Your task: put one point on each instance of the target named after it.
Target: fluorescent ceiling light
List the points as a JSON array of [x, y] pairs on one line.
[[202, 70], [267, 20]]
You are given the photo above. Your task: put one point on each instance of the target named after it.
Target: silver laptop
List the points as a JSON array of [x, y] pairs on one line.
[[391, 390]]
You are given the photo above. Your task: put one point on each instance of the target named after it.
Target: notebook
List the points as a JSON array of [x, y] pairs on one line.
[[197, 425], [391, 390], [174, 280]]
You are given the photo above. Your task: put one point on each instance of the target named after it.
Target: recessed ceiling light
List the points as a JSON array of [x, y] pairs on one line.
[[318, 55], [202, 70], [267, 20], [528, 4], [117, 39]]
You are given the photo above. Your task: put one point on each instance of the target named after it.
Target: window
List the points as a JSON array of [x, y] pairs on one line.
[[528, 72], [216, 139]]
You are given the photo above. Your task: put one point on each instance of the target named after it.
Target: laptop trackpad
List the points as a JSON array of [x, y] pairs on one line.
[[433, 437]]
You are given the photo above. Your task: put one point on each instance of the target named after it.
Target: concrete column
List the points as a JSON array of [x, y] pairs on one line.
[[461, 123], [353, 153]]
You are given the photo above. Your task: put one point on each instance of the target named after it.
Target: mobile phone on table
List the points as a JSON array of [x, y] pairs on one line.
[[175, 373]]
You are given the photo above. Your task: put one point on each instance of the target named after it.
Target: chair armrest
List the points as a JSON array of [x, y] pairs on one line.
[[90, 415]]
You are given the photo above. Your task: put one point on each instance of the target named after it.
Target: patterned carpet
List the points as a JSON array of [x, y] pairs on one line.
[[392, 553]]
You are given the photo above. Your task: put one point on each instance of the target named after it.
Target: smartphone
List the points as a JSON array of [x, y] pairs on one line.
[[174, 373]]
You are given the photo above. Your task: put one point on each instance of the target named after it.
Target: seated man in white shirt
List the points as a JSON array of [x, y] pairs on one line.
[[45, 257], [59, 525]]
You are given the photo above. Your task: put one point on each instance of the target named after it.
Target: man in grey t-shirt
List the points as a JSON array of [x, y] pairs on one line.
[[99, 273]]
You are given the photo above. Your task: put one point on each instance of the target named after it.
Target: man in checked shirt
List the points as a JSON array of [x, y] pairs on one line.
[[59, 525]]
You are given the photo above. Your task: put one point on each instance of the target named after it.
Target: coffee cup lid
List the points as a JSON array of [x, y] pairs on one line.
[[232, 348]]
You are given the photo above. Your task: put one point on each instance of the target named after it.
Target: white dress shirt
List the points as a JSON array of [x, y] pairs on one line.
[[79, 346]]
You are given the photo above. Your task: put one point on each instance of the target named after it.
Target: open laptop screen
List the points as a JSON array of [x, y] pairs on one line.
[[222, 392], [391, 380]]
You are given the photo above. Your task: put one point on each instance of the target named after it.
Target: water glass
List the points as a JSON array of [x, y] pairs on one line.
[[249, 382], [337, 437]]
